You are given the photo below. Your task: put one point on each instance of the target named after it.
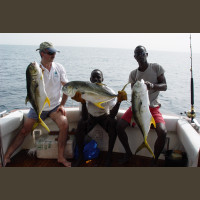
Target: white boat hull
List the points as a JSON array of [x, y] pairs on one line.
[[182, 136]]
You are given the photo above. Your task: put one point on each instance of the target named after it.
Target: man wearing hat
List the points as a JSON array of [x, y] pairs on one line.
[[54, 78]]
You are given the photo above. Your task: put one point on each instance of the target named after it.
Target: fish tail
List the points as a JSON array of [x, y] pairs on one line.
[[149, 148], [146, 145], [140, 147], [35, 125], [153, 122], [43, 124]]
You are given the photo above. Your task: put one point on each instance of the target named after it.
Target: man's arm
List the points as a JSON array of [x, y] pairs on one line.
[[62, 103], [84, 112], [77, 97], [121, 97], [64, 99], [160, 86]]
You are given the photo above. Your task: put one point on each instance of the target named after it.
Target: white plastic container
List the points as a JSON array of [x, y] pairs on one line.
[[47, 147]]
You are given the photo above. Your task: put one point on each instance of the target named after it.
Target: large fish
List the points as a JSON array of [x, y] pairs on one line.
[[141, 112], [36, 93], [93, 92]]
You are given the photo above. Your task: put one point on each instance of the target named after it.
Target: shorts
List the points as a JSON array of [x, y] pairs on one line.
[[33, 115], [154, 111]]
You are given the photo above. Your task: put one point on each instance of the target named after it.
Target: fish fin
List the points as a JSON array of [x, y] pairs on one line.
[[153, 122], [146, 145], [42, 70], [125, 86], [101, 84], [99, 105], [43, 124], [47, 101]]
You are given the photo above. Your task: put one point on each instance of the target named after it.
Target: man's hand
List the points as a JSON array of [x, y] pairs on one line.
[[121, 96], [61, 109], [149, 85], [77, 97]]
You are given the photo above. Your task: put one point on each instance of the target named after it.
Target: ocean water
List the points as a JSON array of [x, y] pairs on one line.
[[116, 64]]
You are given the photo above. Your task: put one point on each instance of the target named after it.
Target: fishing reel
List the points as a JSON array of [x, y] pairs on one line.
[[191, 114]]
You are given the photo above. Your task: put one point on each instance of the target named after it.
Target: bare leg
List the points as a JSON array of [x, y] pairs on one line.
[[80, 135], [62, 123], [121, 126], [160, 142], [84, 127], [28, 124], [109, 124]]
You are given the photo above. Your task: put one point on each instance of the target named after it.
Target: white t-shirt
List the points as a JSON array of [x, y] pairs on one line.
[[53, 85], [96, 111], [150, 74]]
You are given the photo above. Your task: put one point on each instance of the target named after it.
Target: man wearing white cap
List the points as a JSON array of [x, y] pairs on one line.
[[54, 78]]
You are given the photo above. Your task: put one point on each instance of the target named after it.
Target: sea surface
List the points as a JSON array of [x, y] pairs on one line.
[[116, 64]]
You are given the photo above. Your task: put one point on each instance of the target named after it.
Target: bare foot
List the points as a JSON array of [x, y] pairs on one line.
[[65, 162], [6, 160]]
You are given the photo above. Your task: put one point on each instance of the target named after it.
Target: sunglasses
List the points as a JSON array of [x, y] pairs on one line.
[[50, 53], [140, 54]]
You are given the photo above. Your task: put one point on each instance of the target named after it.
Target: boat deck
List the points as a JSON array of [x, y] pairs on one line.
[[23, 159]]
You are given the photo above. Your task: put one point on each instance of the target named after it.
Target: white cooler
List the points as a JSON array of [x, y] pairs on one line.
[[47, 147]]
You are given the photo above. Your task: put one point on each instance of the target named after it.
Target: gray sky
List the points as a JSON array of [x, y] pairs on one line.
[[179, 42]]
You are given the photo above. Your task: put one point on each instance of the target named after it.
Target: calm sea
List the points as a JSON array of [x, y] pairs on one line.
[[116, 65]]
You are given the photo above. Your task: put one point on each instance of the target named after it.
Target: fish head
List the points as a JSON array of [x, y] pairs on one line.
[[33, 69], [139, 87], [69, 89]]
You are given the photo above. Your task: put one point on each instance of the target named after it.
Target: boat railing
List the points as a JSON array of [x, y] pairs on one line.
[[2, 113], [196, 125]]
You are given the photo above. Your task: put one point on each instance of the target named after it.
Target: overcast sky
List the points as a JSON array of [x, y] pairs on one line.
[[152, 41]]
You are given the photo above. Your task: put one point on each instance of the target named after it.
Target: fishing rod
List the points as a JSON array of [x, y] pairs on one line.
[[191, 114]]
